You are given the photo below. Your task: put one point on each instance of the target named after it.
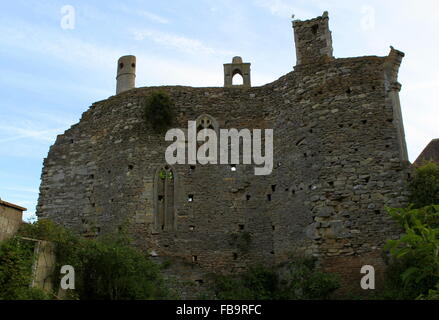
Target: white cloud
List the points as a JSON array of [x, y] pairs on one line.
[[143, 13], [17, 133], [100, 59], [184, 44], [283, 8], [153, 17]]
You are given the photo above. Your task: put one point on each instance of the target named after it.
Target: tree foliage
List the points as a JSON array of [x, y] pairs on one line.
[[415, 254], [16, 260], [424, 186], [107, 268]]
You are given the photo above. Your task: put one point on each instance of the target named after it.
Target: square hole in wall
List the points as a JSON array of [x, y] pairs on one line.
[[194, 258], [191, 228], [233, 167], [241, 226], [190, 198]]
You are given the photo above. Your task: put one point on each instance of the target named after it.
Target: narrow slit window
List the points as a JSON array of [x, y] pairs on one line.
[[164, 213]]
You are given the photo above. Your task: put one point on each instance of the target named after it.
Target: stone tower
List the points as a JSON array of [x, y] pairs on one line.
[[313, 40], [126, 74], [236, 67]]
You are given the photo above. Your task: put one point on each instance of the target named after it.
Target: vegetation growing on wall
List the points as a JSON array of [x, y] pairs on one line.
[[16, 260], [414, 268], [106, 268], [159, 110]]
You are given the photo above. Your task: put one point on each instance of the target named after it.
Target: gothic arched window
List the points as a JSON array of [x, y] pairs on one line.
[[206, 122], [164, 203]]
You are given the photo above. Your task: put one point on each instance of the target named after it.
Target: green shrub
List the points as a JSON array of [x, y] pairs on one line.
[[105, 268], [302, 280], [258, 283], [159, 110], [297, 279], [415, 257], [433, 294], [424, 186]]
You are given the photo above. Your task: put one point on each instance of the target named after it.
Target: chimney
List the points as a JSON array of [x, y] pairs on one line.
[[126, 74]]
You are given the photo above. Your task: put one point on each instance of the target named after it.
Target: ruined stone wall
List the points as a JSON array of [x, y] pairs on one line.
[[10, 221], [337, 163], [340, 164], [44, 265]]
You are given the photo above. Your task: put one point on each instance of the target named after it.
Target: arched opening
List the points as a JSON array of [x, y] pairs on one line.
[[237, 79], [164, 210]]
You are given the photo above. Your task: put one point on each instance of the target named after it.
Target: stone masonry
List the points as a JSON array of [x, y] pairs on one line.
[[11, 218], [339, 159]]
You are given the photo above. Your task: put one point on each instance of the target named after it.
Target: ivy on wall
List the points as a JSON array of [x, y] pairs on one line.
[[158, 110]]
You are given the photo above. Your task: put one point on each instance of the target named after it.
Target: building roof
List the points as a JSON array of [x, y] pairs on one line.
[[430, 153], [11, 205]]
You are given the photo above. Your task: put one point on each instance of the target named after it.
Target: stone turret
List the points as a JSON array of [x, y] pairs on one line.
[[126, 74], [237, 67], [313, 40]]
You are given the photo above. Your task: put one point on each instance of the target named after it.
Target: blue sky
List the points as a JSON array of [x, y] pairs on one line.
[[51, 75]]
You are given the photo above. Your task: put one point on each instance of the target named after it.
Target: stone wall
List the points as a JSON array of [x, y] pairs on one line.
[[44, 265], [338, 161], [10, 221]]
